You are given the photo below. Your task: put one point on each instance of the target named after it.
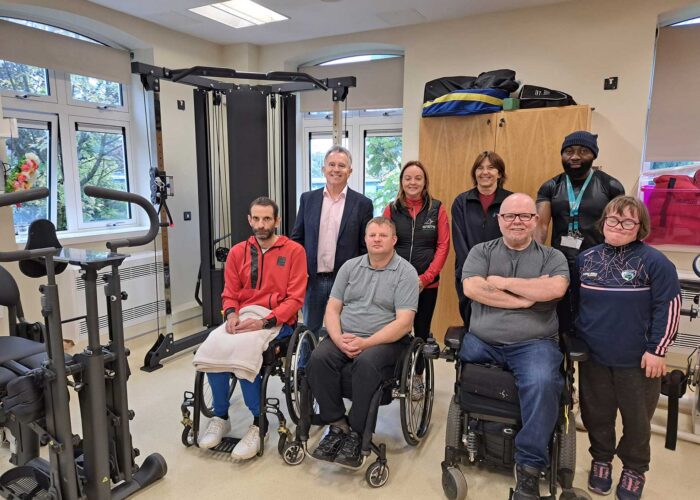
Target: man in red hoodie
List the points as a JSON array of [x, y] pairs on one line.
[[267, 270]]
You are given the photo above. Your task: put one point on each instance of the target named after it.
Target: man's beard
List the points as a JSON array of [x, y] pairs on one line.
[[264, 234], [577, 173]]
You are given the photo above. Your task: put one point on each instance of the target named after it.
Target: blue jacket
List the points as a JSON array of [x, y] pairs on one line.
[[357, 213], [629, 303]]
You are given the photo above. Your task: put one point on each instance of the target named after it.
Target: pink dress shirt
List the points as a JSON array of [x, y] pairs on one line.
[[331, 215]]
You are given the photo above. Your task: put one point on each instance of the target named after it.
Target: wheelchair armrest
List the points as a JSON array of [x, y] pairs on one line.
[[453, 337], [575, 348]]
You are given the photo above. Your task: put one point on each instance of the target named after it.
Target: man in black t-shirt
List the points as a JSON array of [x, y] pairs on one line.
[[574, 201]]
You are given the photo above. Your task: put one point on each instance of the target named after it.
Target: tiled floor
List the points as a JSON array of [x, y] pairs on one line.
[[415, 472]]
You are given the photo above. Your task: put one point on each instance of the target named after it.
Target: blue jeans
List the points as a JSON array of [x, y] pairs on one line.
[[220, 386], [536, 367], [318, 289]]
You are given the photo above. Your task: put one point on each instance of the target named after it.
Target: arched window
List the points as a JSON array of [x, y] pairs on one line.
[[77, 124]]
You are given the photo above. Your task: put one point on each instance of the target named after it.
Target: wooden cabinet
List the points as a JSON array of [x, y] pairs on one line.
[[529, 142]]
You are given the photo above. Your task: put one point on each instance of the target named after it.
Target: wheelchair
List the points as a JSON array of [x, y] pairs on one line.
[[286, 358], [484, 418], [415, 415]]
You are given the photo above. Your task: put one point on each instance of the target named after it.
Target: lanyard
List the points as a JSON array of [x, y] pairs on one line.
[[575, 201]]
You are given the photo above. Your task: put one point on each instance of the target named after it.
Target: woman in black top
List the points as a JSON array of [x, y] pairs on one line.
[[474, 215]]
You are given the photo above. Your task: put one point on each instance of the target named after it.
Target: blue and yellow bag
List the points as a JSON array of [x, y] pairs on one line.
[[466, 102]]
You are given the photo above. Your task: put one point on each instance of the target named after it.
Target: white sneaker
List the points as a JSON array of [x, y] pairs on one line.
[[218, 427], [249, 444]]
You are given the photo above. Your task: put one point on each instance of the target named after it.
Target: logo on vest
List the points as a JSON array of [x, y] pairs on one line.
[[628, 274], [429, 223]]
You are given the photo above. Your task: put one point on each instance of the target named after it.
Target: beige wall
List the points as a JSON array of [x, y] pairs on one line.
[[570, 46]]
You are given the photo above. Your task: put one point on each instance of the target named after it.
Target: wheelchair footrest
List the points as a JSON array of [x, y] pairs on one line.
[[226, 445], [25, 482]]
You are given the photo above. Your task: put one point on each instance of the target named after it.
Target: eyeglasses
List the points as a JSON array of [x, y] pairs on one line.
[[625, 223], [511, 217]]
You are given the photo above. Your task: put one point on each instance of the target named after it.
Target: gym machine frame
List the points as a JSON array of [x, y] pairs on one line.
[[99, 374], [243, 143]]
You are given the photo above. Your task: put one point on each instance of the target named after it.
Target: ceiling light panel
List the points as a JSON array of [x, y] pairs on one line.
[[239, 13]]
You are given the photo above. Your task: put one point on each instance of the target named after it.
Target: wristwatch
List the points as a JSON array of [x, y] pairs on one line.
[[270, 322], [228, 311]]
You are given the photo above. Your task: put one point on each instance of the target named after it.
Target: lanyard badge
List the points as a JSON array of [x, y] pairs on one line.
[[575, 202]]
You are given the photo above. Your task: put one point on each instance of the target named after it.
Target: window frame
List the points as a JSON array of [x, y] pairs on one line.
[[96, 125], [123, 108], [66, 113], [52, 96], [33, 120]]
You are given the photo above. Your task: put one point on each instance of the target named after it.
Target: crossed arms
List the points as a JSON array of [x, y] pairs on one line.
[[514, 293]]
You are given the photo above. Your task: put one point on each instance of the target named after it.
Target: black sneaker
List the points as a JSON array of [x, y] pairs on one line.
[[630, 486], [527, 483], [600, 477], [349, 454], [329, 446]]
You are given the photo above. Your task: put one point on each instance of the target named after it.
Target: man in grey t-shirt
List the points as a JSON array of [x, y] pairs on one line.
[[368, 316], [514, 284]]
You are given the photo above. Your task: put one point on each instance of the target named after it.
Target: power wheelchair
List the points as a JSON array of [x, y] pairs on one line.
[[286, 358], [415, 414], [35, 399], [484, 418]]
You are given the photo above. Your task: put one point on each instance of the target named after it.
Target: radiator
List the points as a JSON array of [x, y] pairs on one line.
[[141, 278]]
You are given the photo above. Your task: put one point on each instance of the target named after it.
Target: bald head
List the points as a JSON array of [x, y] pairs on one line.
[[518, 203], [517, 220]]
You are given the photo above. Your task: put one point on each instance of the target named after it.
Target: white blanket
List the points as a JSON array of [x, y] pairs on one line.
[[240, 353]]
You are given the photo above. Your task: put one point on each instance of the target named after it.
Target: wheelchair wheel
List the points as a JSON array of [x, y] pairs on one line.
[[453, 432], [377, 474], [567, 445], [203, 391], [416, 404], [187, 436], [453, 483], [293, 453], [301, 345]]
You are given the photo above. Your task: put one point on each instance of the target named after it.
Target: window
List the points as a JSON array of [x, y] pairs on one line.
[[382, 161], [80, 128], [23, 80], [34, 137], [319, 144], [88, 90], [374, 140]]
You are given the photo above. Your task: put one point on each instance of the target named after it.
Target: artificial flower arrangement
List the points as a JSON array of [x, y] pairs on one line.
[[23, 175]]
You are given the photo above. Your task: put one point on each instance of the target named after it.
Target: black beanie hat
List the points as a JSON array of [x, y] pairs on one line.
[[581, 138]]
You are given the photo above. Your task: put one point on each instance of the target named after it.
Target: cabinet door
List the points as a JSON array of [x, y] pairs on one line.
[[529, 141], [448, 147]]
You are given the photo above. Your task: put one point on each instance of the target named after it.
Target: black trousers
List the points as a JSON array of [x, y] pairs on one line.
[[372, 367], [606, 390], [424, 315]]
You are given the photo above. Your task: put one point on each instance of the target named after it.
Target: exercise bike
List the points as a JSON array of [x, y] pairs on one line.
[[101, 465]]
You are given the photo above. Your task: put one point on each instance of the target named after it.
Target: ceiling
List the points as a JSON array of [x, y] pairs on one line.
[[310, 18]]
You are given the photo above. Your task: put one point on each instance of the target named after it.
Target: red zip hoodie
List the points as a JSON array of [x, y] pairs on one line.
[[275, 279]]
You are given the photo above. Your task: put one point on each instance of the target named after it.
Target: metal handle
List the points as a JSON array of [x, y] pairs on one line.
[[7, 199], [112, 194]]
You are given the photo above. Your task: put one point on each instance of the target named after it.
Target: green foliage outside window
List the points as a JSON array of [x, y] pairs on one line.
[[23, 79], [102, 162], [383, 166], [88, 89]]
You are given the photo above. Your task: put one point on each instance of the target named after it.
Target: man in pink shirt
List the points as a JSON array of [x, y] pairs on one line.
[[330, 225]]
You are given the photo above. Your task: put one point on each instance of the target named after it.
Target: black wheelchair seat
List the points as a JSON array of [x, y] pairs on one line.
[[489, 390]]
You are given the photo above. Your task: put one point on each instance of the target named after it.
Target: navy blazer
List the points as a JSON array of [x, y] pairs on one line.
[[357, 213]]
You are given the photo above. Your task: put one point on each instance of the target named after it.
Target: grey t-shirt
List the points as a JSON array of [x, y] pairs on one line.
[[371, 296], [495, 325]]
